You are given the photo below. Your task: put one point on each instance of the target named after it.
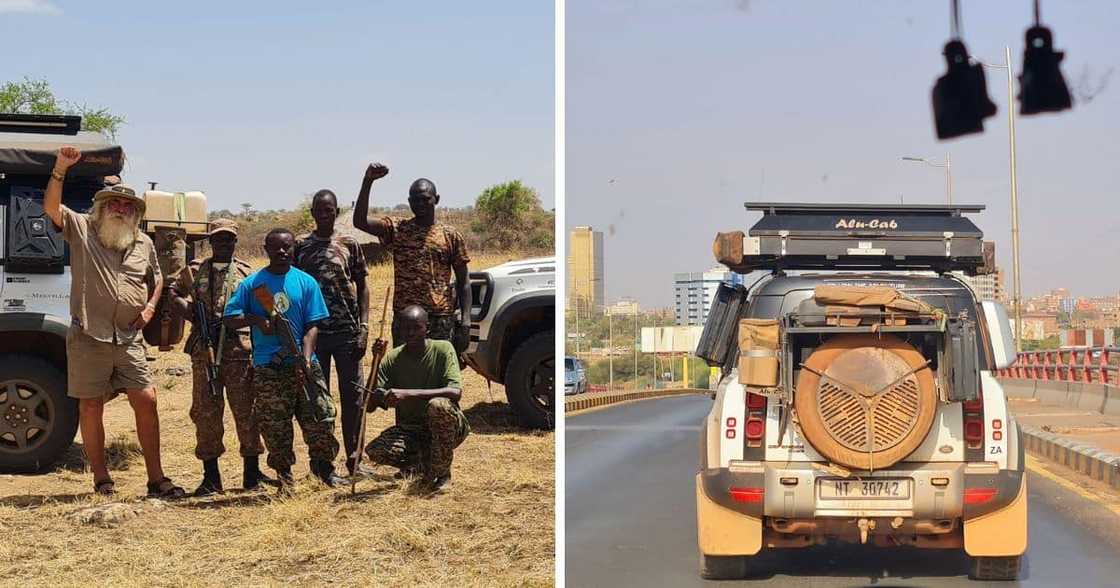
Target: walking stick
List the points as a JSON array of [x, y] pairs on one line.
[[377, 353]]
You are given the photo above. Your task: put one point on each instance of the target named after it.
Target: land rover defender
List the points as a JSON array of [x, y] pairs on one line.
[[858, 401]]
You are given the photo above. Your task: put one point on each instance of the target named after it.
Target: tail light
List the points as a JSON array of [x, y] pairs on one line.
[[978, 495], [746, 494], [974, 427], [973, 430], [755, 429], [755, 425]]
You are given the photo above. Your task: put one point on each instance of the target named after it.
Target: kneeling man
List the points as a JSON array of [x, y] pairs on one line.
[[420, 379]]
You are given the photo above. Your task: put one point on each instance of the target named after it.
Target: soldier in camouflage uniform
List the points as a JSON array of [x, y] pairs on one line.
[[278, 383], [420, 379], [425, 254], [215, 279], [338, 264]]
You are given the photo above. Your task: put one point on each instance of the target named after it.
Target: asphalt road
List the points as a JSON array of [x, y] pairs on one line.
[[631, 518]]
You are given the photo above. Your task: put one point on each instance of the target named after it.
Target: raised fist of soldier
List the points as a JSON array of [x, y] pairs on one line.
[[376, 171], [67, 156]]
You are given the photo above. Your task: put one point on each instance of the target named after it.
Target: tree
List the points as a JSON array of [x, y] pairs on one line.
[[509, 216], [36, 97]]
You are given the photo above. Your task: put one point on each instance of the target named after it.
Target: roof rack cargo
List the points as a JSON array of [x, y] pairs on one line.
[[794, 236]]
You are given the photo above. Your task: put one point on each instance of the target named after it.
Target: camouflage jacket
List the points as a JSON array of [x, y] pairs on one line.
[[338, 265], [214, 287], [423, 259]]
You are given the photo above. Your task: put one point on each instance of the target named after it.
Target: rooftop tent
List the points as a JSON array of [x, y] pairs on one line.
[[857, 237], [28, 144]]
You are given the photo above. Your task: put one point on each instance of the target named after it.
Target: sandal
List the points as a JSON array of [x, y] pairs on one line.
[[165, 489], [106, 487]]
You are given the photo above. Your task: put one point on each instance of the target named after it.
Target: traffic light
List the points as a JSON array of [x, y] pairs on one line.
[[1041, 85], [960, 97]]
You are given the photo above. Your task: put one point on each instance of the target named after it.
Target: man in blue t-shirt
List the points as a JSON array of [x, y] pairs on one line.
[[277, 379]]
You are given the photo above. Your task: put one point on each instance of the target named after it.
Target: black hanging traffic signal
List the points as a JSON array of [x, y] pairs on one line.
[[960, 97], [1042, 88]]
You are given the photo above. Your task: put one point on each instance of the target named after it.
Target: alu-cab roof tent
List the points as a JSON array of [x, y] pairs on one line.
[[793, 236], [28, 143]]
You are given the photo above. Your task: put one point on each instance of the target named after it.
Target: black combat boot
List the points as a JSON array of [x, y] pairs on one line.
[[324, 470], [211, 479], [253, 476]]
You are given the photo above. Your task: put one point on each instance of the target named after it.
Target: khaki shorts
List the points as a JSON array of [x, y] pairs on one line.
[[95, 369]]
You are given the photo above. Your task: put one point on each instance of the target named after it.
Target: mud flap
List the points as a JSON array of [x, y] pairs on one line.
[[1001, 533], [722, 531]]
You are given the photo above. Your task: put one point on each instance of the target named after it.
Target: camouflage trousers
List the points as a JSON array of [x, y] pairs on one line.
[[428, 446], [208, 411], [279, 396]]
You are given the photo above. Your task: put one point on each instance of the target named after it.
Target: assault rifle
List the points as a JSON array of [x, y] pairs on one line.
[[206, 339], [282, 328], [367, 395]]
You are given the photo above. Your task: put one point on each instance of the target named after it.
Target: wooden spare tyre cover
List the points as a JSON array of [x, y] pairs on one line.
[[865, 401]]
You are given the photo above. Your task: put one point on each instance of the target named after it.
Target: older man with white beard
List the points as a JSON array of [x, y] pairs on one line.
[[111, 265]]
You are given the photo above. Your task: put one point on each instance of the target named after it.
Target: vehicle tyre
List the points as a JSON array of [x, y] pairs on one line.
[[723, 567], [996, 568], [37, 419], [531, 381]]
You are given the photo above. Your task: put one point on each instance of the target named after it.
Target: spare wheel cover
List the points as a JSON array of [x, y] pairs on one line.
[[876, 387]]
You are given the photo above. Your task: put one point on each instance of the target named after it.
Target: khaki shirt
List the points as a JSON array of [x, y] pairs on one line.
[[423, 260], [108, 288]]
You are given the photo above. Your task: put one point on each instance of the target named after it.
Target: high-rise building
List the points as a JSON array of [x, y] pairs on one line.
[[585, 270], [696, 291], [988, 287]]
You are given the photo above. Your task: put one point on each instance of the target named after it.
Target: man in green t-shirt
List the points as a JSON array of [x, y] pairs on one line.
[[420, 379]]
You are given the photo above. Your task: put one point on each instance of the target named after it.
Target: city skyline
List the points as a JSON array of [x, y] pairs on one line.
[[826, 118]]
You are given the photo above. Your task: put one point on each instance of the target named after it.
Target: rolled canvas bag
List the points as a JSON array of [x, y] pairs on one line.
[[758, 352]]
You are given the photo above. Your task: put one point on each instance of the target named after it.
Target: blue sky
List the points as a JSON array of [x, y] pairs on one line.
[[266, 102], [692, 107]]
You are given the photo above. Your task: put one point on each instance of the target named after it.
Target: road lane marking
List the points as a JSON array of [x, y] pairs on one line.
[[1056, 414], [1035, 466], [647, 428]]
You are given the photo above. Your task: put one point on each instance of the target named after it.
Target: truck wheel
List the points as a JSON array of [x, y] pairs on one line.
[[37, 419], [996, 568], [531, 381], [723, 567]]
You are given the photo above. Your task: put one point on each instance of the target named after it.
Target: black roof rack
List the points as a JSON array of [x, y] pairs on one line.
[[858, 237], [825, 208], [52, 124]]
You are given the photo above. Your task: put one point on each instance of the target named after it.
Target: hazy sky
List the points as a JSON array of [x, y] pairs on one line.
[[265, 102], [688, 104]]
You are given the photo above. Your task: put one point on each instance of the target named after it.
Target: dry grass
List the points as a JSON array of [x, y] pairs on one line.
[[496, 527]]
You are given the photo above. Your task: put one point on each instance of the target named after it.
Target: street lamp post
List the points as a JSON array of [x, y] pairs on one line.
[[1017, 294], [610, 350], [948, 173]]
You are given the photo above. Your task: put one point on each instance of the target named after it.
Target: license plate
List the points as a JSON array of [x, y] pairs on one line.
[[840, 489]]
